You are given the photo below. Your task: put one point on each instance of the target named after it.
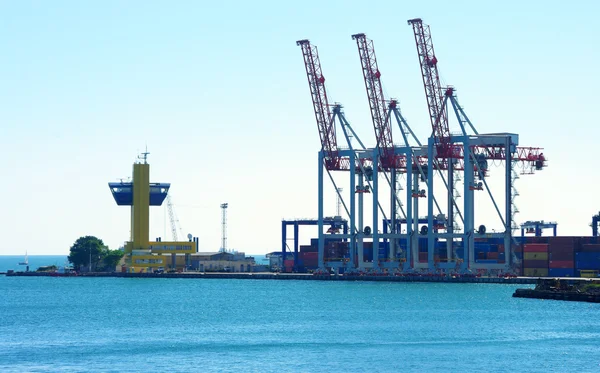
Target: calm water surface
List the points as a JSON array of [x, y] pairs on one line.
[[211, 325]]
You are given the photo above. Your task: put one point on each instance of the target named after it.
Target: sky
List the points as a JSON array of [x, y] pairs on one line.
[[217, 92]]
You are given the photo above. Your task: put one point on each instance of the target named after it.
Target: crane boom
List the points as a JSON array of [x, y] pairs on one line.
[[172, 217], [433, 89], [437, 98], [325, 120], [377, 104]]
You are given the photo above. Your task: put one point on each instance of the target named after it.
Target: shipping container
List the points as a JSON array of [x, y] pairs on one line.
[[537, 248], [592, 248], [535, 256], [561, 264], [561, 240], [309, 255], [535, 263], [308, 249], [482, 248], [288, 263], [562, 255], [587, 273], [535, 272], [591, 258], [561, 272]]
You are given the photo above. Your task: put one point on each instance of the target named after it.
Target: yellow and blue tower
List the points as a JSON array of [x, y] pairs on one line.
[[140, 253]]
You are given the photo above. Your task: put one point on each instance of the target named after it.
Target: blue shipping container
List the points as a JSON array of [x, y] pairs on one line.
[[482, 247], [587, 260], [561, 272], [587, 256], [587, 265]]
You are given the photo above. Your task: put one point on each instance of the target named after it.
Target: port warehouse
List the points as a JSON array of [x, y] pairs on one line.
[[200, 261]]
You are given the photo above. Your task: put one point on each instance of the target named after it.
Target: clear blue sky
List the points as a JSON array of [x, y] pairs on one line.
[[218, 93]]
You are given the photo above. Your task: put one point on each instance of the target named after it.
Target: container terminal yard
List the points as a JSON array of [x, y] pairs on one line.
[[433, 189]]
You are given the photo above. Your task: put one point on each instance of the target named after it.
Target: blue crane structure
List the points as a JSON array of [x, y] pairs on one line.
[[447, 157], [595, 221], [334, 223], [467, 152], [408, 158], [536, 227]]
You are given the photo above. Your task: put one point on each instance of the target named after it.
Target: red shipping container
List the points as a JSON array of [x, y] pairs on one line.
[[537, 240], [535, 248], [288, 263], [562, 255], [562, 240], [562, 264], [422, 257], [308, 249], [535, 264], [586, 240], [560, 248], [590, 248], [492, 255]]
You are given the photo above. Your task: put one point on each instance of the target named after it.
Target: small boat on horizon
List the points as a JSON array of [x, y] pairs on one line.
[[26, 262]]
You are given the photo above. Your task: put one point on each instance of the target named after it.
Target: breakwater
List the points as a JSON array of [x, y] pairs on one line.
[[557, 295], [292, 276]]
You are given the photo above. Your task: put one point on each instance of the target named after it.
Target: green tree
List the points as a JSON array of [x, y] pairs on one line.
[[86, 248], [112, 258]]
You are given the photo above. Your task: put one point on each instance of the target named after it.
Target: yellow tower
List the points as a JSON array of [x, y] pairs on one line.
[[140, 210], [140, 194]]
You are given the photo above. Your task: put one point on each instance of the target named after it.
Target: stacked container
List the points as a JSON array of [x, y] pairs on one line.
[[535, 260], [489, 253], [310, 259], [288, 264], [561, 254], [588, 258]]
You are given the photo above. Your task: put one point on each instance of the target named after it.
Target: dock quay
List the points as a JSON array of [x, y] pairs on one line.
[[290, 276]]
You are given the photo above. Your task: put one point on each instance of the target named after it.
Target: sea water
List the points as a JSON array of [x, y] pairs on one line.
[[8, 262], [226, 325]]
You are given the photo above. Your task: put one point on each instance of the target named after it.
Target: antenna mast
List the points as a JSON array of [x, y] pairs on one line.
[[224, 227], [339, 201], [144, 155]]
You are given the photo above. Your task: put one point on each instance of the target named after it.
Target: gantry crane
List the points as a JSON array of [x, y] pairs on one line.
[[466, 152], [357, 161], [392, 158]]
